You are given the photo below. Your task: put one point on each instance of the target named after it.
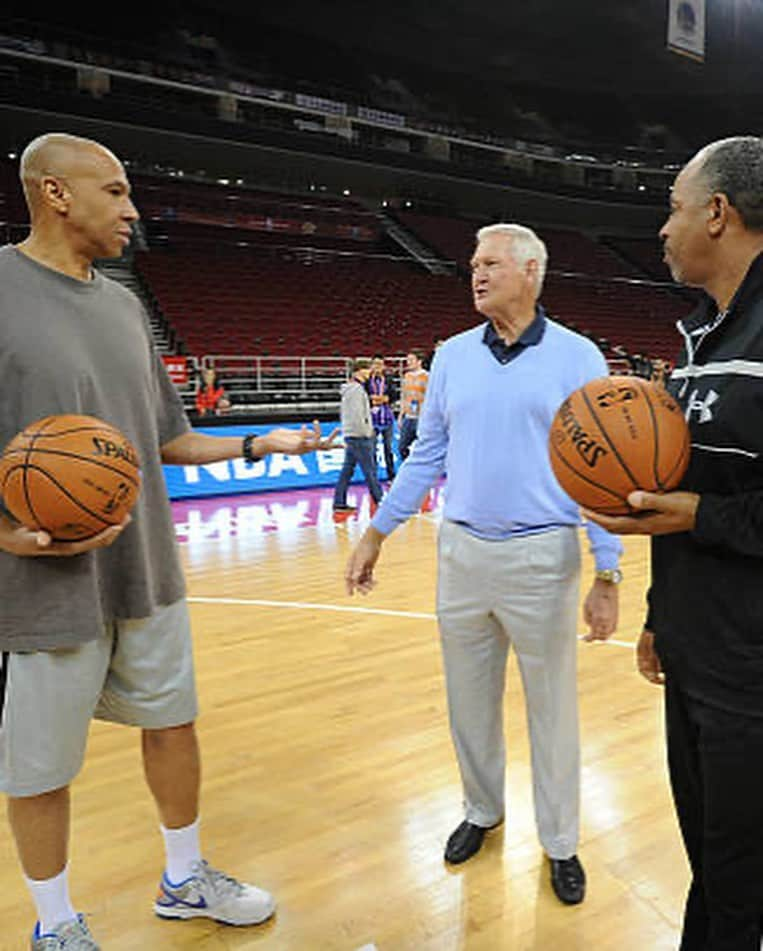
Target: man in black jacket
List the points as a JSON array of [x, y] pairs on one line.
[[703, 636]]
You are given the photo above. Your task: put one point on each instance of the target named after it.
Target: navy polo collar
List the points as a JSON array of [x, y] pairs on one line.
[[530, 337]]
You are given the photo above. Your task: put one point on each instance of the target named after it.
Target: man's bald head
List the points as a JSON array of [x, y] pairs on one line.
[[60, 156], [78, 197]]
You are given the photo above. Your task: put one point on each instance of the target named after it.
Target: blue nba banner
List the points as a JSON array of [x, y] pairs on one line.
[[276, 471], [686, 28]]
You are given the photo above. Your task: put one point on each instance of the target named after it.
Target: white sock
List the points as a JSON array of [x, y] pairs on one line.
[[183, 851], [51, 898]]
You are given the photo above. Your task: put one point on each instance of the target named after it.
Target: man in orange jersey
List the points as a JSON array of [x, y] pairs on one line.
[[411, 401]]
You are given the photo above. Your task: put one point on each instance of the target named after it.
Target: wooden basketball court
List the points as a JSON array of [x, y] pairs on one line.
[[329, 776]]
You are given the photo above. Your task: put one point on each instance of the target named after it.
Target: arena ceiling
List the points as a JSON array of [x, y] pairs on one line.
[[569, 44], [580, 44]]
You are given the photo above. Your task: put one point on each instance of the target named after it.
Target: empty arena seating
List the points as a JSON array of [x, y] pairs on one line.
[[568, 250], [238, 271], [637, 317], [644, 253], [598, 288], [163, 205], [259, 300], [13, 212]]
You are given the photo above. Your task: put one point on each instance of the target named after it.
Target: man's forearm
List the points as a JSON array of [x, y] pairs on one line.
[[198, 449]]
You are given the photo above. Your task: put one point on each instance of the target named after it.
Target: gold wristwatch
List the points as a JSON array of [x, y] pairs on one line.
[[610, 575]]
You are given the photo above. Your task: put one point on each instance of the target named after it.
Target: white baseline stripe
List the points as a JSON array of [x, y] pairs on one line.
[[342, 608]]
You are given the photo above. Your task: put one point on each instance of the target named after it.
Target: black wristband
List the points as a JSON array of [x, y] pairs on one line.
[[246, 448]]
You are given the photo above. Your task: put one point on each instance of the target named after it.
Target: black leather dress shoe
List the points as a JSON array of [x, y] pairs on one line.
[[568, 880], [465, 842]]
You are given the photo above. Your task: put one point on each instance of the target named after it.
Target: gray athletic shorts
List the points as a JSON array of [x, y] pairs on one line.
[[140, 672]]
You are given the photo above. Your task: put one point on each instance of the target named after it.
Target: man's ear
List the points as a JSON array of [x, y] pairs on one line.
[[55, 193], [718, 214]]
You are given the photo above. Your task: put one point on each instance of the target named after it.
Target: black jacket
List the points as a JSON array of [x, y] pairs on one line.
[[706, 598]]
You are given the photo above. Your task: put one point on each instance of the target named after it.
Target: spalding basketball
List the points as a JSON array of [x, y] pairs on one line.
[[615, 435], [72, 476]]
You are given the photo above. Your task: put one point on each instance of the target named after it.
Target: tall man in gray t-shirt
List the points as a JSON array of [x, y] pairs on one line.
[[99, 627]]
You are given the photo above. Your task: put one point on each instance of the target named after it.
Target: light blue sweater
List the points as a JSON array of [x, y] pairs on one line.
[[486, 425]]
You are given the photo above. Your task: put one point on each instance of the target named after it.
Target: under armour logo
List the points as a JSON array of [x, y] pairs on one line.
[[696, 405]]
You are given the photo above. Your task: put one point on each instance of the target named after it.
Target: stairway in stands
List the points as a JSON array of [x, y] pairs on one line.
[[122, 271]]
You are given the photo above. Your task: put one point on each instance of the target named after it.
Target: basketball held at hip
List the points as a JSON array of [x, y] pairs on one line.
[[615, 435], [69, 475]]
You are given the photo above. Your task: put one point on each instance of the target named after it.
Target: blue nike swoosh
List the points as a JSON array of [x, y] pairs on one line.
[[171, 900]]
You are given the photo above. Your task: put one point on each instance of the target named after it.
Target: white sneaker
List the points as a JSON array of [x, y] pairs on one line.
[[212, 894], [68, 936]]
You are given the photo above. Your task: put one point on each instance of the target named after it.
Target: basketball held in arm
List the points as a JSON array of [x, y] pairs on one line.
[[70, 477], [614, 436]]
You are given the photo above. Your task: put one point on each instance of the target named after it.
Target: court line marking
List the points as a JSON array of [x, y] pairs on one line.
[[345, 609]]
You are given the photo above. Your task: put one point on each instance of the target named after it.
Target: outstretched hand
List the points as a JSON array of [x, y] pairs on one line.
[[654, 514], [297, 442]]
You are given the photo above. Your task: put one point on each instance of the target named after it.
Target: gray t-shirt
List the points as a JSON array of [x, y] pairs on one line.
[[356, 411], [69, 346]]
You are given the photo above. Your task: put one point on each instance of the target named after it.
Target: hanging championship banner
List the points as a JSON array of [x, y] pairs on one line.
[[686, 28]]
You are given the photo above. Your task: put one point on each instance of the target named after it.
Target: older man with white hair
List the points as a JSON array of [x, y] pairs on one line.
[[509, 559]]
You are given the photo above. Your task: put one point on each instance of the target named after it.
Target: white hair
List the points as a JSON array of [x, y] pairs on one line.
[[525, 245]]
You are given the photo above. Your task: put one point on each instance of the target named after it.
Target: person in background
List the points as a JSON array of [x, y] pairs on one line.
[[359, 440], [411, 401], [210, 397], [382, 393]]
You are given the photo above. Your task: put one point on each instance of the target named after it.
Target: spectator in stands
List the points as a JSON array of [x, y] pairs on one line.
[[99, 627], [382, 393], [359, 440], [411, 401], [210, 397], [509, 560]]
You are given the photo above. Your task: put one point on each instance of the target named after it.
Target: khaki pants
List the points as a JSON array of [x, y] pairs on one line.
[[522, 592]]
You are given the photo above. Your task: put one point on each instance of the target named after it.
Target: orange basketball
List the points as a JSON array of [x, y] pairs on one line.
[[614, 435], [72, 476]]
